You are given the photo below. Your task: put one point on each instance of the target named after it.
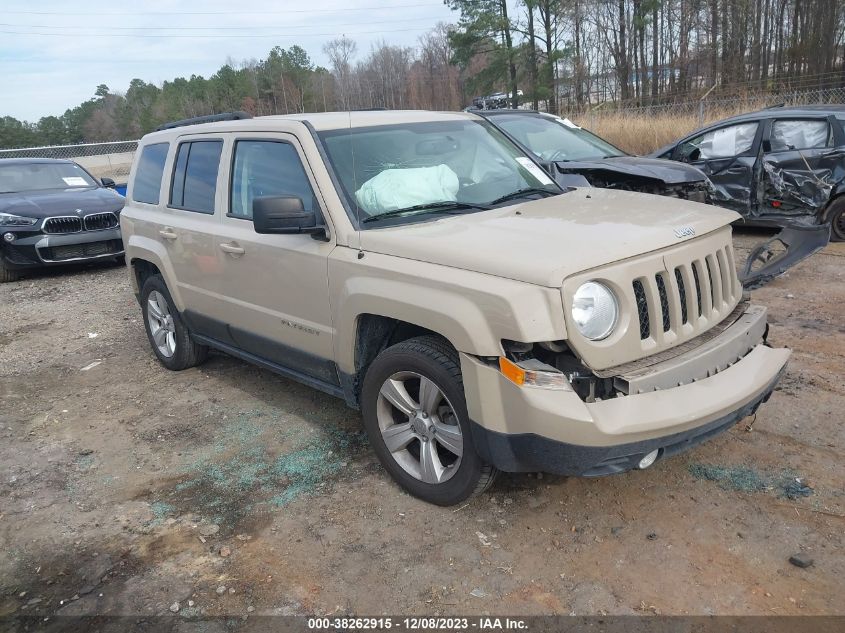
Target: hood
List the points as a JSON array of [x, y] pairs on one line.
[[44, 204], [669, 172], [544, 241]]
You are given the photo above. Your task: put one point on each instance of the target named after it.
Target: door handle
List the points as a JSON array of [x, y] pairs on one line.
[[168, 234], [232, 248]]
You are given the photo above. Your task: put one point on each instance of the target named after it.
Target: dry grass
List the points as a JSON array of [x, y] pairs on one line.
[[641, 133]]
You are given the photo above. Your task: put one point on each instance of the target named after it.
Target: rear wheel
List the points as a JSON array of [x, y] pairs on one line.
[[416, 418], [836, 217], [168, 335]]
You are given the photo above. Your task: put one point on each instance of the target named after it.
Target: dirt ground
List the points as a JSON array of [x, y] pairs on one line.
[[225, 489]]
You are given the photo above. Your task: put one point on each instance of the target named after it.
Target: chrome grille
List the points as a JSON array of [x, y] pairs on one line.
[[101, 221], [64, 224], [664, 306]]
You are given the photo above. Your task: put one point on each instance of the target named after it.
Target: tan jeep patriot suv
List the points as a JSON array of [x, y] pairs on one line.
[[422, 267]]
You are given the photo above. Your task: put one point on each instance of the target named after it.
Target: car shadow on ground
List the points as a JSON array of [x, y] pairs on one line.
[[64, 270]]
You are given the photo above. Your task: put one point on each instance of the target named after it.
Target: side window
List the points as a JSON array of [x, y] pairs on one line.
[[149, 173], [799, 134], [726, 142], [267, 168], [195, 176]]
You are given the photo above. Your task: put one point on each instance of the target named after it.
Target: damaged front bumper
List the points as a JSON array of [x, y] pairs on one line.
[[670, 406], [528, 452], [795, 243]]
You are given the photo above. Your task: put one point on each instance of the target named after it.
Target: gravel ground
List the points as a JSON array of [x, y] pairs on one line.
[[128, 489]]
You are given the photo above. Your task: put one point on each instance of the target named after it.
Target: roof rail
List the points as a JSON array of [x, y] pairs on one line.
[[209, 118], [777, 105]]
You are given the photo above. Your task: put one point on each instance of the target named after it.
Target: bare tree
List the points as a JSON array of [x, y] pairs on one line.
[[340, 52]]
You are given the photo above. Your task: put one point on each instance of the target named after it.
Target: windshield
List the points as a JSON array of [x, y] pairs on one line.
[[433, 167], [553, 139], [22, 177]]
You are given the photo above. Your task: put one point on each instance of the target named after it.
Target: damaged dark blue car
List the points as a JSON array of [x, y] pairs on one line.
[[781, 167]]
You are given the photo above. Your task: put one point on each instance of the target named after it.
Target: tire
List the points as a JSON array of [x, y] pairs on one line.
[[7, 275], [175, 348], [425, 457], [836, 217]]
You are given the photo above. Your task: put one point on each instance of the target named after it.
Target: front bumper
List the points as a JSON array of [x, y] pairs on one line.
[[522, 429], [533, 453], [35, 250]]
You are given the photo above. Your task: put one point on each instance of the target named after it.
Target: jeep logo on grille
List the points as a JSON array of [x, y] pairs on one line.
[[684, 231]]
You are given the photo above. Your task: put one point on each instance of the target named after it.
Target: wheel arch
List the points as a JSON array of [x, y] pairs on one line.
[[141, 271], [837, 198], [373, 334], [146, 257], [836, 201]]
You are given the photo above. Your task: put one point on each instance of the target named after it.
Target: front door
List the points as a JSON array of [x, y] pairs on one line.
[[729, 156], [275, 287]]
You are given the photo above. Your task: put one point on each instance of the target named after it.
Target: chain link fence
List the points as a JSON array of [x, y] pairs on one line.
[[709, 108], [643, 129], [103, 160]]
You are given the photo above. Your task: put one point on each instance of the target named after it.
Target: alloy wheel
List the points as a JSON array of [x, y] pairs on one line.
[[420, 428], [162, 327]]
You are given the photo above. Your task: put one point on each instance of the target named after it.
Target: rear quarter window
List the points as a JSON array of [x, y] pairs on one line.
[[147, 184]]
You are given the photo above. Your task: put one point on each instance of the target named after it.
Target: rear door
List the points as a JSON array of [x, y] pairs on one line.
[[800, 157], [275, 287], [191, 229], [730, 157]]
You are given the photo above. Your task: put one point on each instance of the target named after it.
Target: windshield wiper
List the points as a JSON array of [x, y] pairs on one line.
[[521, 193], [433, 207]]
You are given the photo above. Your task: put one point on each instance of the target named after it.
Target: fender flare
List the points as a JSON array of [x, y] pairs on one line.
[[143, 248]]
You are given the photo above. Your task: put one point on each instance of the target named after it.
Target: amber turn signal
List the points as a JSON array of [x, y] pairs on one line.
[[536, 375]]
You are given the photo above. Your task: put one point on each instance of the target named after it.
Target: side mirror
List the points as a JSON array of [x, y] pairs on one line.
[[283, 214], [108, 182], [688, 153]]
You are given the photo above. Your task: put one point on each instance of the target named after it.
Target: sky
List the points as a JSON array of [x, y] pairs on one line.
[[53, 54]]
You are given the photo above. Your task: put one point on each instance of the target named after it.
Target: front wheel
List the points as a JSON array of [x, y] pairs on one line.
[[416, 418], [7, 275]]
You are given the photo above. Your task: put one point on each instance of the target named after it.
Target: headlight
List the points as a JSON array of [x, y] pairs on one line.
[[7, 219], [595, 310]]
